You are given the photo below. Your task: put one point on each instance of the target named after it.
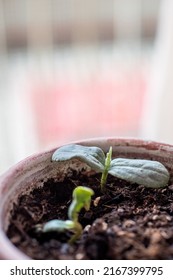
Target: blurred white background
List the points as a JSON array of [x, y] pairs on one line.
[[73, 69]]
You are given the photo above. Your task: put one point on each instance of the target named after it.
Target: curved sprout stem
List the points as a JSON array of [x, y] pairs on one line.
[[77, 232]]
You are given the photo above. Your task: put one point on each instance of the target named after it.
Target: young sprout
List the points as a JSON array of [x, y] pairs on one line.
[[106, 169], [149, 173], [81, 199]]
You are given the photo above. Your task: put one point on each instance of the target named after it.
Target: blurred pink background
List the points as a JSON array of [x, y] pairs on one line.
[[73, 69]]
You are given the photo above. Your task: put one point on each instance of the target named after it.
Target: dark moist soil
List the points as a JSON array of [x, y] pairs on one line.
[[129, 222]]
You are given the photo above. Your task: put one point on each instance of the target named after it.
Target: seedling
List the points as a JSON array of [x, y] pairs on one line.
[[81, 199], [149, 173]]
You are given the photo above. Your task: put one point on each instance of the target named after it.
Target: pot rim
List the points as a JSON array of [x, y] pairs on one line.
[[123, 141]]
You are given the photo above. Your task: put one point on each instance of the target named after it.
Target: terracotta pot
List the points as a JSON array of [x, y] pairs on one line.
[[31, 172]]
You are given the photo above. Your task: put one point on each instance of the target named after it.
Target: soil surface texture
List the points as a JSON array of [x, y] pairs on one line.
[[128, 222]]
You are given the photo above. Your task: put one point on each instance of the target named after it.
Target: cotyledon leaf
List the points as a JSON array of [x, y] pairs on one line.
[[58, 225], [93, 156], [146, 172]]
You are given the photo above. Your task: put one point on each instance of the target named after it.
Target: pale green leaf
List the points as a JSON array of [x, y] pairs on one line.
[[145, 172], [92, 156], [58, 225]]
